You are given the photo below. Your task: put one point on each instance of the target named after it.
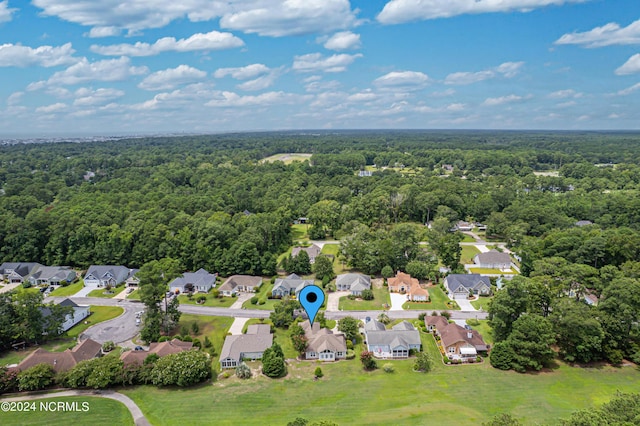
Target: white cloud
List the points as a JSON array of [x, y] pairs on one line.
[[97, 32], [48, 109], [402, 81], [344, 40], [315, 62], [565, 94], [89, 97], [171, 77], [85, 71], [504, 100], [231, 99], [213, 40], [242, 73], [632, 66], [628, 90], [399, 11], [265, 17], [5, 12], [506, 69], [14, 98], [12, 55], [606, 35], [366, 96], [188, 96], [261, 82], [315, 85], [443, 93], [456, 107]]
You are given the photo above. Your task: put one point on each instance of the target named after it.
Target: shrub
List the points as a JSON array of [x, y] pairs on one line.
[[201, 299], [318, 372], [182, 369], [197, 343], [243, 371], [262, 301], [273, 362], [388, 368], [108, 346], [446, 314], [8, 380], [215, 293], [473, 322], [331, 287], [350, 354], [186, 338], [254, 300], [35, 378], [368, 361], [422, 315], [501, 356], [151, 358], [349, 344], [105, 372], [184, 330], [367, 294], [207, 343], [164, 339], [423, 363], [195, 328], [387, 272]]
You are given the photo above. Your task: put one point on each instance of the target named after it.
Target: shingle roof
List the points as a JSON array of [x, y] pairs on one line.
[[240, 280], [322, 339], [436, 321], [402, 334], [356, 282], [466, 280], [453, 333], [401, 278], [62, 361], [493, 256], [257, 339], [291, 282], [21, 268], [169, 347], [119, 272], [50, 272], [312, 251], [200, 278]]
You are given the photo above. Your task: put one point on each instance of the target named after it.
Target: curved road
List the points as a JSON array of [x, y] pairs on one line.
[[135, 411]]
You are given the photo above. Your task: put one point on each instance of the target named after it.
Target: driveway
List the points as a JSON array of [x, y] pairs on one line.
[[117, 330], [242, 297], [465, 305], [397, 300], [237, 326], [84, 292], [333, 300], [9, 287]]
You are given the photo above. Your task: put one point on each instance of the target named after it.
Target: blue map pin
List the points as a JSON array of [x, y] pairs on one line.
[[311, 298]]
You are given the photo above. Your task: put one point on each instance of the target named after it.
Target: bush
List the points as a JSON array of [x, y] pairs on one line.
[[8, 380], [108, 346], [501, 356], [201, 299], [423, 363], [368, 361], [197, 343], [254, 300], [422, 315], [387, 272], [182, 369], [367, 294], [473, 322], [318, 372], [195, 328], [273, 362], [184, 331], [350, 354], [349, 344], [207, 343], [35, 378], [262, 301], [446, 314], [388, 368], [243, 371]]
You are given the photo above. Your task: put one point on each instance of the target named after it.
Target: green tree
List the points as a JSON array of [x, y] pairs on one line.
[[531, 340], [387, 272], [368, 360], [323, 268], [579, 333], [417, 270], [349, 326], [273, 362], [37, 377], [507, 306], [367, 294], [282, 315], [423, 362]]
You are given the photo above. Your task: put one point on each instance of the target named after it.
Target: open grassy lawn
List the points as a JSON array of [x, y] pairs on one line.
[[215, 328], [491, 271], [334, 250], [98, 314], [69, 290], [381, 296], [438, 302], [481, 303], [223, 302], [101, 411], [485, 330], [263, 292], [101, 292], [468, 239], [465, 395], [468, 252], [287, 158], [134, 295], [300, 232]]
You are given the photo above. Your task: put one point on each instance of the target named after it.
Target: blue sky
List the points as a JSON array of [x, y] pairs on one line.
[[137, 66]]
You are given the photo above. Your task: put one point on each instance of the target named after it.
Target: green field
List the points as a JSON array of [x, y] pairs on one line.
[[438, 302], [485, 330], [287, 158], [481, 303], [468, 253], [215, 328], [468, 239], [263, 292], [465, 395], [101, 411], [300, 232], [134, 295], [101, 292], [381, 296], [69, 290], [222, 302]]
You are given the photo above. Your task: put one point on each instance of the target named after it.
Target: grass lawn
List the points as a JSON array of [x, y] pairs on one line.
[[438, 302], [334, 250], [215, 328], [481, 303], [491, 271], [468, 239], [263, 292], [101, 292], [381, 296], [300, 232], [134, 295], [223, 302], [468, 252], [101, 411], [98, 314], [485, 330], [465, 395], [69, 290]]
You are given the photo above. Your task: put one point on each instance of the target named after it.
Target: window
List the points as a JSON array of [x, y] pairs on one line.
[[452, 349]]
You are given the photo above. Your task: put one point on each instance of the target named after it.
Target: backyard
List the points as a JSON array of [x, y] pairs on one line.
[[468, 253], [439, 301], [380, 297]]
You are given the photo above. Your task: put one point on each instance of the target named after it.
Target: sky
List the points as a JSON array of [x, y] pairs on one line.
[[113, 67]]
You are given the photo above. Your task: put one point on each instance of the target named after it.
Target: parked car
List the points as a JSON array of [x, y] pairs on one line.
[[130, 290], [137, 321], [138, 348]]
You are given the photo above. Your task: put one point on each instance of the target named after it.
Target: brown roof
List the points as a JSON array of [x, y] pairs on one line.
[[62, 361], [493, 256], [161, 349], [416, 290], [453, 333], [399, 279], [240, 280], [439, 322], [133, 357]]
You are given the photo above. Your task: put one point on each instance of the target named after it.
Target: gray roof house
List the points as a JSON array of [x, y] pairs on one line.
[[103, 275], [236, 283], [355, 283], [200, 281], [55, 275], [246, 346], [492, 259], [312, 251], [288, 286], [460, 285], [323, 344], [393, 343], [18, 272], [79, 313]]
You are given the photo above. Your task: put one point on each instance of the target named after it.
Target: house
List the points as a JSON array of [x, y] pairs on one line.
[[463, 226], [581, 223], [18, 272], [289, 285], [460, 343], [401, 283], [106, 275], [53, 275], [323, 344], [133, 280], [417, 294], [354, 283], [236, 283], [200, 281], [365, 173], [493, 260], [591, 299], [159, 348], [393, 343], [312, 251], [460, 286], [78, 314], [246, 346], [435, 323], [62, 361]]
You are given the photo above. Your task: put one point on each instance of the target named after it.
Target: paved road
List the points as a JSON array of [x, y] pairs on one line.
[[135, 411]]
